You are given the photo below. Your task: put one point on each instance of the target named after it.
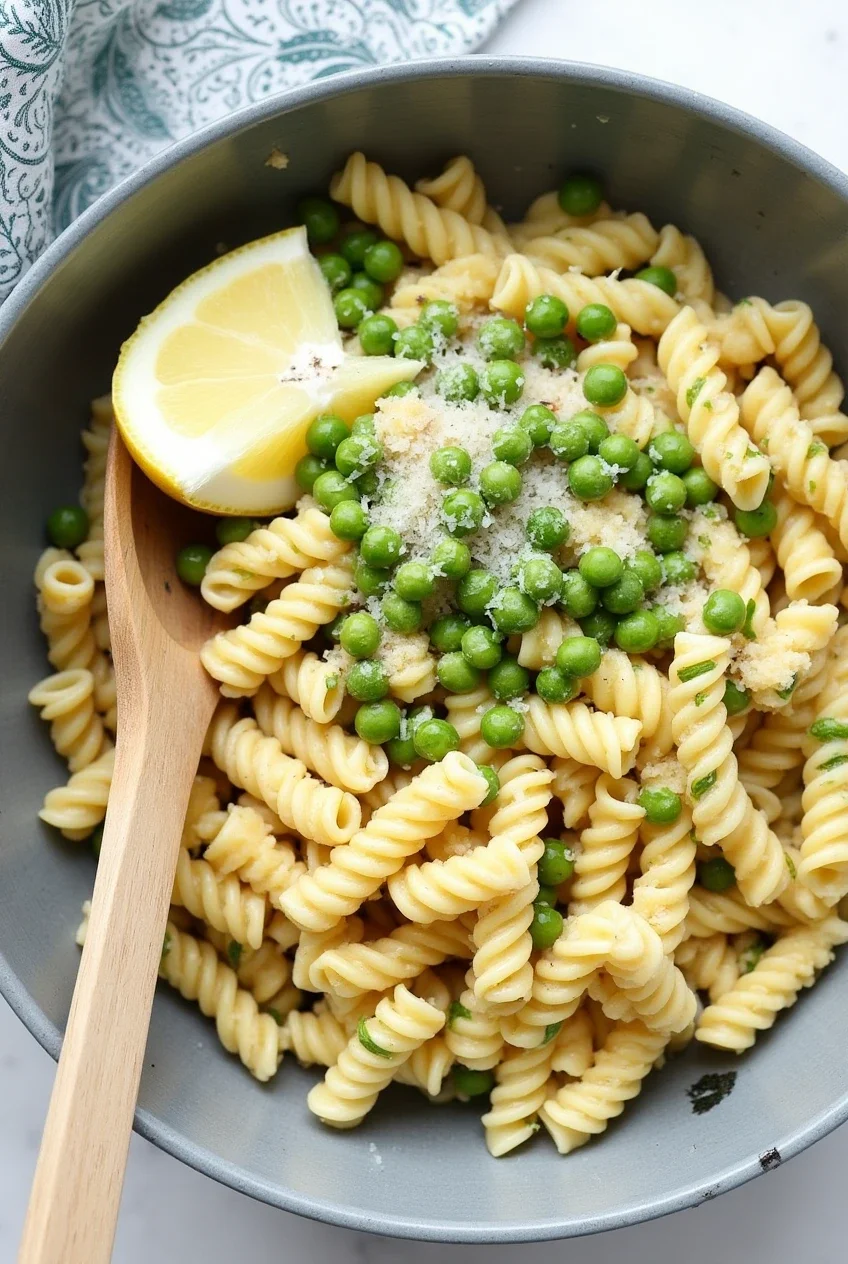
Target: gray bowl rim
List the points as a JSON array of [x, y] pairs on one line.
[[45, 1032]]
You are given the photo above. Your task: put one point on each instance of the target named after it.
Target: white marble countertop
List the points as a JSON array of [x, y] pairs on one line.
[[785, 62]]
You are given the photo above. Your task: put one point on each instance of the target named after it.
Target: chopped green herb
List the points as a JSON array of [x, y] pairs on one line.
[[815, 449], [751, 956], [748, 627], [829, 730], [790, 865], [703, 784], [697, 669], [708, 405], [166, 945], [744, 302], [752, 452], [694, 390], [700, 699], [275, 1014], [369, 1044], [785, 693], [331, 681], [551, 1030], [243, 574], [704, 541], [457, 1011], [812, 486], [834, 762], [234, 951]]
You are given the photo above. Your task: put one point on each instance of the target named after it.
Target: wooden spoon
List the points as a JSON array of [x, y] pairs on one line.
[[165, 703]]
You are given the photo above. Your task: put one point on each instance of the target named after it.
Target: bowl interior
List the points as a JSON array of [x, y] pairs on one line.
[[772, 222]]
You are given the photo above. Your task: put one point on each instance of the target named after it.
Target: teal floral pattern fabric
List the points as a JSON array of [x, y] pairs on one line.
[[90, 89]]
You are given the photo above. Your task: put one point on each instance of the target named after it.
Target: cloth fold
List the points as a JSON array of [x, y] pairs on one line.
[[90, 89]]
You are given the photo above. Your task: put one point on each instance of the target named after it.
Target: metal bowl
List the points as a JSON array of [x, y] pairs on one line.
[[771, 217]]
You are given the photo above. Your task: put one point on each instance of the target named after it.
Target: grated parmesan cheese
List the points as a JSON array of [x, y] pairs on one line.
[[665, 772]]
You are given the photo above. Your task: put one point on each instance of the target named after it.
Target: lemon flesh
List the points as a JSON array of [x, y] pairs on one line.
[[214, 391]]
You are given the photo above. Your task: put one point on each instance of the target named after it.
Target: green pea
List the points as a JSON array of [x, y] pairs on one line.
[[358, 453], [356, 244], [351, 307], [547, 528], [578, 656], [513, 611], [320, 218], [458, 384], [377, 335], [470, 1083], [666, 534], [716, 875], [668, 625], [546, 316], [441, 316], [325, 434], [601, 625], [541, 579], [512, 445], [595, 322], [447, 631], [192, 562], [678, 569], [332, 630], [360, 635], [581, 194], [383, 261], [648, 567], [365, 423], [625, 595], [501, 382], [501, 727], [638, 632], [463, 511], [381, 546], [595, 426], [700, 488], [724, 612], [456, 674], [554, 686], [665, 493], [579, 598], [538, 421], [589, 478], [555, 353], [308, 469], [370, 290], [556, 864], [662, 806], [500, 338], [476, 591], [413, 581], [96, 840], [434, 739], [605, 385], [337, 271], [736, 700], [399, 390], [634, 480], [414, 343], [663, 278], [450, 466], [400, 750], [451, 559], [494, 784], [546, 895], [378, 722], [601, 566], [508, 679], [67, 526], [481, 647], [366, 681], [755, 523], [401, 615], [234, 530], [672, 451], [546, 926], [620, 451], [348, 520], [367, 484], [569, 440], [370, 580], [500, 483]]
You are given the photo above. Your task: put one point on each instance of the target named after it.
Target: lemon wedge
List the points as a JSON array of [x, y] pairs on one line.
[[215, 389]]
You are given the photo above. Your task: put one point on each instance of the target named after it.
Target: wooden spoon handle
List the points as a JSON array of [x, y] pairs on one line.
[[76, 1192]]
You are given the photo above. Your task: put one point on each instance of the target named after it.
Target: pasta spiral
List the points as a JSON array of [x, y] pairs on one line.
[[709, 965], [275, 551], [521, 1088], [667, 864], [810, 568], [351, 969], [728, 563], [711, 413], [458, 188], [369, 1060], [607, 244], [465, 713], [244, 656], [192, 967], [606, 844], [315, 686], [573, 1047], [96, 443], [633, 688], [727, 912], [574, 785], [63, 583], [467, 282], [688, 262], [76, 808], [258, 764], [431, 232], [473, 1033], [442, 792], [315, 1037], [823, 865], [66, 702], [582, 1110], [618, 349], [244, 845], [221, 900], [591, 737], [754, 1002], [648, 983], [448, 888], [340, 758], [503, 975]]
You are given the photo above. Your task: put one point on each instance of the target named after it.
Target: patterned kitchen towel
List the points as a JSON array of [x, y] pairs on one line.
[[89, 89]]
